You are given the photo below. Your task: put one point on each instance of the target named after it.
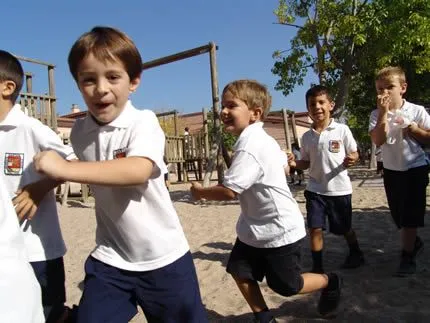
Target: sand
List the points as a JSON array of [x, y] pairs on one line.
[[370, 293]]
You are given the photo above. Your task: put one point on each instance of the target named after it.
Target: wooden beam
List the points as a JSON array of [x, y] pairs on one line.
[[177, 57], [35, 61], [168, 113]]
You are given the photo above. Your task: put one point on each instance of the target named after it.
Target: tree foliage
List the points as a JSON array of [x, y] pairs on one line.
[[345, 41], [228, 139]]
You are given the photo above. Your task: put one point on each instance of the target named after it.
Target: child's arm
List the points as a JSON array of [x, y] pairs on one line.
[[350, 159], [28, 199], [215, 193], [380, 131], [419, 134], [300, 164], [128, 171]]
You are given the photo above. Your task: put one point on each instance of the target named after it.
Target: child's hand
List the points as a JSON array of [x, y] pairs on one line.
[[27, 200], [383, 102], [350, 160], [291, 160], [195, 190], [50, 164]]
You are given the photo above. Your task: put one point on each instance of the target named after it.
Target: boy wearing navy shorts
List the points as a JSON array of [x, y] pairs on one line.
[[270, 228], [141, 256], [401, 129], [328, 148]]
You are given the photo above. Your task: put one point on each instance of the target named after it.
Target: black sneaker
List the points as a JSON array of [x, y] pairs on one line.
[[330, 296], [407, 265], [353, 260], [418, 247]]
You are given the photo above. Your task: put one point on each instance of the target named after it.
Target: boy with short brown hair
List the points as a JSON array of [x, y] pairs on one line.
[[270, 229], [400, 128]]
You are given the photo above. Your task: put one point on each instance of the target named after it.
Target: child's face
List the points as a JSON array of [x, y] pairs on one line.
[[319, 108], [393, 88], [236, 115], [105, 87]]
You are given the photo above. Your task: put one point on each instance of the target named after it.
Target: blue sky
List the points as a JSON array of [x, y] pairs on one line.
[[244, 31]]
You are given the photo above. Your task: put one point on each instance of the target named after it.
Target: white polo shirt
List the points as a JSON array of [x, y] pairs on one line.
[[326, 152], [137, 227], [20, 295], [21, 137], [403, 153], [270, 217]]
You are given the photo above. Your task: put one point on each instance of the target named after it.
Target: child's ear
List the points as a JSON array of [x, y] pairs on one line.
[[8, 88], [332, 103], [403, 88], [257, 114], [134, 83]]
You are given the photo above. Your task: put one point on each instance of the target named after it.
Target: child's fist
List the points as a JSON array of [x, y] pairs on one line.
[[291, 160], [383, 101], [50, 164], [349, 160]]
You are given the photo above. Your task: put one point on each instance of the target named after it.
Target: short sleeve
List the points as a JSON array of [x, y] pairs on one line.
[[349, 141], [244, 172], [373, 119], [49, 140], [423, 118], [147, 139]]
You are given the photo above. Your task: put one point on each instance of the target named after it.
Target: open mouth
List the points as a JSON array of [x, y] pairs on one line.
[[101, 106]]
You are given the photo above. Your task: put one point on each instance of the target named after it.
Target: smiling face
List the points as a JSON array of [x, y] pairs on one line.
[[319, 108], [105, 87], [236, 115], [392, 87]]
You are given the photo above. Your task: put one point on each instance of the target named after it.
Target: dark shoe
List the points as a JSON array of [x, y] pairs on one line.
[[353, 260], [418, 248], [330, 296], [407, 265]]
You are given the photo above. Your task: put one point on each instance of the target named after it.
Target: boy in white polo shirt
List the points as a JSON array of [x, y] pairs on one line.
[[400, 128], [270, 228], [142, 256], [20, 295], [328, 148], [21, 137]]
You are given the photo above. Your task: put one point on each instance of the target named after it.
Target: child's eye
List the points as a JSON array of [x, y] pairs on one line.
[[114, 77], [87, 80]]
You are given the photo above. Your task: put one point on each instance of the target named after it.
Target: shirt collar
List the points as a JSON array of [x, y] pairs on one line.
[[124, 120], [14, 118], [332, 125], [247, 131]]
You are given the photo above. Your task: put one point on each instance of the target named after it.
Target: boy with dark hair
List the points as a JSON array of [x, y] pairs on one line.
[[400, 128], [270, 228], [328, 148], [21, 137], [142, 256]]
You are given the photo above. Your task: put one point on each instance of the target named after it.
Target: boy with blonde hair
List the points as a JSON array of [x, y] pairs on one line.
[[328, 148], [21, 137], [400, 128], [142, 256], [270, 228]]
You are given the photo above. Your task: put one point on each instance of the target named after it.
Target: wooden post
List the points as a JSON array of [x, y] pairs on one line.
[[215, 110], [293, 125], [206, 132], [286, 130], [65, 193], [53, 103]]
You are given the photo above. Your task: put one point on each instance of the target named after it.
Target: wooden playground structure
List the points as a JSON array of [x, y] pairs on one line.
[[191, 153]]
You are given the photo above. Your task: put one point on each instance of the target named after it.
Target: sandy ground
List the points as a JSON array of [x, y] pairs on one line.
[[370, 293]]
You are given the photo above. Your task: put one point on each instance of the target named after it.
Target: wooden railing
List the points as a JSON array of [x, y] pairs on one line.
[[40, 107]]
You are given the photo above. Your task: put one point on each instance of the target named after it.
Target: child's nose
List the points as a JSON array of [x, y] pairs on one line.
[[102, 87]]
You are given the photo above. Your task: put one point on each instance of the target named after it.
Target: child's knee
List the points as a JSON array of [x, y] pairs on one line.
[[289, 287]]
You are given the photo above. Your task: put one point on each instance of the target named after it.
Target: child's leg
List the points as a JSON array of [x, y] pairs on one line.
[[51, 277], [316, 219], [171, 293], [108, 294], [247, 268], [340, 221], [284, 276]]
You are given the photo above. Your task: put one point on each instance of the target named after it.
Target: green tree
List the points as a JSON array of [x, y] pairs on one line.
[[345, 41]]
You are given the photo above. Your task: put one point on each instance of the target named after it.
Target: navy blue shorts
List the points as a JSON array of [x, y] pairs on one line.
[[406, 195], [168, 294], [337, 209], [51, 278], [281, 266]]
